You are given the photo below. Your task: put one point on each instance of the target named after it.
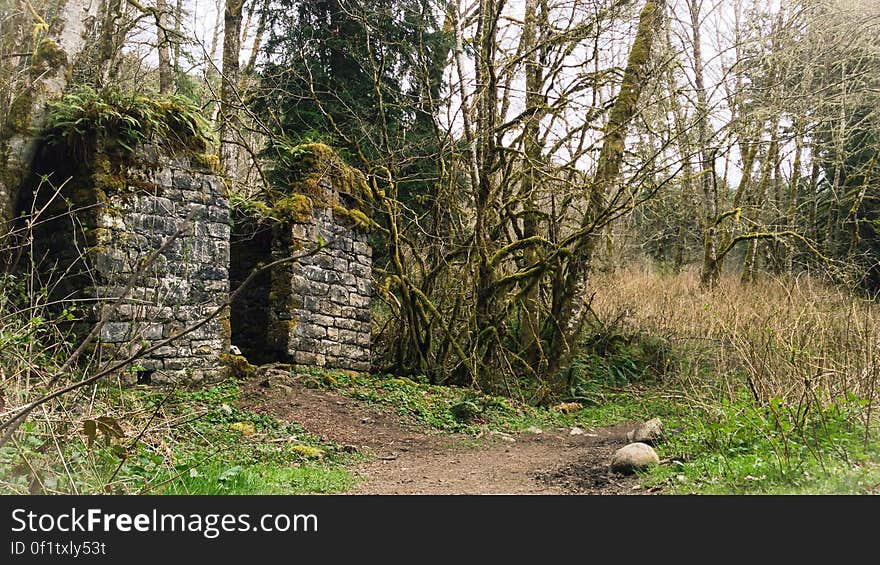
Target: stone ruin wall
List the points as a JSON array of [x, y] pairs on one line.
[[188, 281], [317, 310], [326, 315], [311, 313], [120, 218]]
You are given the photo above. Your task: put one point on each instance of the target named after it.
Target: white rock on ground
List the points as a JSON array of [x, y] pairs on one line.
[[650, 432], [634, 457]]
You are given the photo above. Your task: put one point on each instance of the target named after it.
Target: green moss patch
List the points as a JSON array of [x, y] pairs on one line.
[[238, 365], [293, 208], [48, 57], [298, 178]]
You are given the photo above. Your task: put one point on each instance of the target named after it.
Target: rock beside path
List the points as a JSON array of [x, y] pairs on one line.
[[650, 432], [634, 457]]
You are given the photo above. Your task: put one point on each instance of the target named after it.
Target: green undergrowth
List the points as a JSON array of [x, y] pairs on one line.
[[203, 442], [176, 442], [463, 410], [244, 452], [118, 122], [741, 447], [614, 359]]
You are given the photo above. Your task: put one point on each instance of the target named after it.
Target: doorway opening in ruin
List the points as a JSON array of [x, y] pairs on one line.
[[250, 247]]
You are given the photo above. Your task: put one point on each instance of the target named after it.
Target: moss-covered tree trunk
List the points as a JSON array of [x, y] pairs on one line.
[[711, 270], [570, 303], [229, 84], [484, 205], [530, 316], [42, 44]]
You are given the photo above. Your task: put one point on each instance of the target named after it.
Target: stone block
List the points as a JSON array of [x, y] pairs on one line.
[[359, 270], [358, 301], [347, 337], [345, 323], [313, 331], [305, 358], [339, 295], [324, 261], [116, 332], [182, 180], [217, 214], [354, 352], [177, 363], [151, 331], [364, 287], [165, 351], [219, 230], [347, 279], [326, 321], [313, 304]]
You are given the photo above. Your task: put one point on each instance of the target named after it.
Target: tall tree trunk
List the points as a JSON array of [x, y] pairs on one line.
[[530, 319], [258, 38], [711, 270], [813, 191], [45, 73], [485, 312], [178, 27], [767, 176], [569, 307], [211, 72], [687, 168], [229, 85], [793, 191], [166, 77]]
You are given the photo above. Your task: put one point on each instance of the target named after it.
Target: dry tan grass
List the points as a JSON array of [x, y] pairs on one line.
[[795, 339]]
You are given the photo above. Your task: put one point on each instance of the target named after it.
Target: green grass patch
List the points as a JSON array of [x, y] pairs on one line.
[[264, 478], [463, 410], [741, 447], [176, 442]]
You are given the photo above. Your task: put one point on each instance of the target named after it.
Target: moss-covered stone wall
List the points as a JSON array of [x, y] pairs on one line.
[[321, 305], [316, 309], [110, 216]]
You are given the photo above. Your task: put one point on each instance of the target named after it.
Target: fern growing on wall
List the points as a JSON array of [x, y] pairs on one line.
[[118, 122]]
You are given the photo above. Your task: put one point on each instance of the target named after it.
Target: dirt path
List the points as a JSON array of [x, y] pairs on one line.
[[406, 459]]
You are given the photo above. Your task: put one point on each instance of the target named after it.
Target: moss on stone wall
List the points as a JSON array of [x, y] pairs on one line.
[[353, 218], [306, 177], [278, 334], [84, 122], [18, 117], [208, 161], [238, 366], [293, 208], [280, 288], [305, 165]]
